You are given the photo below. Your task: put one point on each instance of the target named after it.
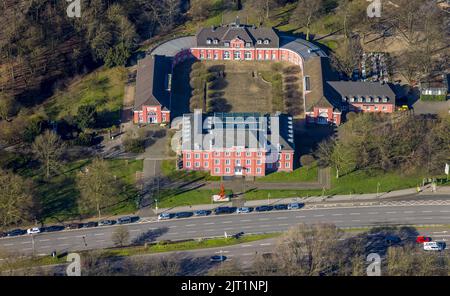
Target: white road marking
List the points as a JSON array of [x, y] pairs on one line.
[[190, 225], [265, 244], [427, 211], [282, 218], [409, 212], [62, 238], [191, 231], [263, 219], [391, 212], [372, 213], [209, 223], [44, 240], [356, 220], [6, 245], [337, 214], [319, 215], [299, 216], [99, 234], [355, 213], [283, 224], [227, 222], [135, 230], [246, 246], [245, 221]]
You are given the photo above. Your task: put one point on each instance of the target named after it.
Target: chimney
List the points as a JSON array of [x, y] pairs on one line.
[[238, 22], [213, 28]]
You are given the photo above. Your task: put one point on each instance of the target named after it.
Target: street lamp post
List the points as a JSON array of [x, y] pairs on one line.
[[268, 198], [156, 207]]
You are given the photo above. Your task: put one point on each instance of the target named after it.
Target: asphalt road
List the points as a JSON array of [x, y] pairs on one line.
[[409, 213]]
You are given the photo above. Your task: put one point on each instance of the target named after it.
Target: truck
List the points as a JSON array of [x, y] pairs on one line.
[[434, 246]]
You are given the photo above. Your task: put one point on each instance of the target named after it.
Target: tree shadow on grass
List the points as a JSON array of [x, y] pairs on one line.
[[194, 266]]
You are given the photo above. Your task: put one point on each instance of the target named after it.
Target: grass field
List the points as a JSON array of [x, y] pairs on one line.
[[242, 90], [103, 88], [303, 174], [58, 196]]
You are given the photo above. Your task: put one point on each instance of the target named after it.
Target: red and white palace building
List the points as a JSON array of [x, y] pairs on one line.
[[237, 144], [324, 98]]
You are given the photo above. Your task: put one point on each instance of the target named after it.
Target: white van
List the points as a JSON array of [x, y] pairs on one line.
[[433, 246]]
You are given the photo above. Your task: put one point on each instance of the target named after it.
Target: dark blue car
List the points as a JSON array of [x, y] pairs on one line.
[[264, 208]]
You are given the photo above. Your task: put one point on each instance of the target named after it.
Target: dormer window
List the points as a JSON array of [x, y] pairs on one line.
[[344, 99], [227, 44], [360, 99], [385, 99], [248, 44], [259, 41], [208, 41], [376, 99], [368, 99], [266, 41], [216, 41], [352, 99]]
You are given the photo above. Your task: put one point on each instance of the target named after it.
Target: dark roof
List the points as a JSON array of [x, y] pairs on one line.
[[246, 33], [318, 70], [224, 125], [363, 89], [151, 82]]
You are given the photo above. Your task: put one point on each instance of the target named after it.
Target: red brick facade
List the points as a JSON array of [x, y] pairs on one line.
[[236, 162], [323, 116], [151, 114]]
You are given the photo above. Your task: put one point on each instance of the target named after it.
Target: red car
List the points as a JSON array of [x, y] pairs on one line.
[[423, 239]]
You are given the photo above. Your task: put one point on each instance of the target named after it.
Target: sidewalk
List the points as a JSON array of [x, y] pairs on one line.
[[444, 190]]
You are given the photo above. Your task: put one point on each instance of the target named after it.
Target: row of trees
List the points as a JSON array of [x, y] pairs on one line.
[[324, 250], [97, 186], [389, 142]]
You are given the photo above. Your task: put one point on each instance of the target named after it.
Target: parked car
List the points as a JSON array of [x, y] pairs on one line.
[[202, 213], [295, 206], [264, 208], [2, 234], [124, 220], [106, 222], [16, 232], [164, 216], [422, 239], [434, 246], [183, 214], [392, 239], [90, 224], [238, 235], [53, 228], [34, 230], [218, 258], [224, 210], [281, 207], [243, 210], [74, 226]]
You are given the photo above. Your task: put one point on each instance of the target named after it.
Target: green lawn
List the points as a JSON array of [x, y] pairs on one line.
[[173, 198], [303, 174], [103, 88], [188, 245], [168, 170], [58, 196], [361, 182]]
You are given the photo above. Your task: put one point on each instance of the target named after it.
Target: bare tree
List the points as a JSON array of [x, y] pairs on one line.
[[305, 13], [16, 200], [98, 187], [120, 236], [48, 149]]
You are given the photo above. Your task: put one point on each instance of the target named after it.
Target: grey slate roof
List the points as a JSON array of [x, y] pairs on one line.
[[304, 48], [228, 134], [151, 82], [245, 32], [172, 47], [351, 89]]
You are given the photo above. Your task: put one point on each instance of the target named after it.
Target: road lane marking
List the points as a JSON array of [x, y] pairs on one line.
[[263, 219], [299, 216], [135, 230], [319, 215], [265, 244], [337, 214], [209, 223], [246, 246], [391, 212], [247, 226], [25, 243], [62, 238], [6, 245], [191, 231], [63, 245], [227, 222], [282, 218], [245, 221], [356, 220], [265, 225], [44, 240], [190, 225], [283, 224], [409, 212], [427, 211], [99, 234], [355, 213], [372, 213]]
